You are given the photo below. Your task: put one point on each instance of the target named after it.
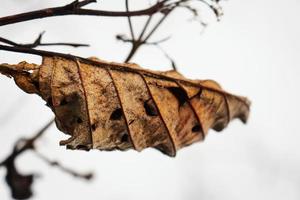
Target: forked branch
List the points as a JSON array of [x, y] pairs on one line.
[[38, 42]]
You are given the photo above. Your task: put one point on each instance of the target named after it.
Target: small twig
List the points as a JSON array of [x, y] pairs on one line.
[[87, 176], [84, 2], [173, 63], [158, 25], [214, 6], [167, 9], [127, 40], [158, 41], [156, 44], [141, 41], [129, 21], [38, 42], [64, 44], [145, 27]]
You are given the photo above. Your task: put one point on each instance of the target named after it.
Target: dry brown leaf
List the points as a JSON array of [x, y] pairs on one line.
[[109, 106]]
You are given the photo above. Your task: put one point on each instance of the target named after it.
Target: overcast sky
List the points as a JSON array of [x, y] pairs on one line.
[[253, 51]]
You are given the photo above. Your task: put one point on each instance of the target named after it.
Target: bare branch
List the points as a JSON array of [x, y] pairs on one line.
[[75, 8], [38, 42]]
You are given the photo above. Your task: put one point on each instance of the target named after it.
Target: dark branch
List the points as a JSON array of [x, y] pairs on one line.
[[38, 42], [75, 8]]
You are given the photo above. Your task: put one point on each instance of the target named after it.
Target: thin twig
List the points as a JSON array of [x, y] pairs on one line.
[[87, 176], [137, 44], [145, 28], [127, 40], [172, 61], [158, 25], [166, 10], [38, 42], [129, 21]]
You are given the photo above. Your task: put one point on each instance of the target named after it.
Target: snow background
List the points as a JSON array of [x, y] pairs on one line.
[[253, 51]]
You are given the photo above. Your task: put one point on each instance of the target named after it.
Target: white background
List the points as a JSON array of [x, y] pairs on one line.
[[253, 51]]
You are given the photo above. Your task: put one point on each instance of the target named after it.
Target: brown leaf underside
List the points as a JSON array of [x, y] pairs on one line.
[[109, 106]]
